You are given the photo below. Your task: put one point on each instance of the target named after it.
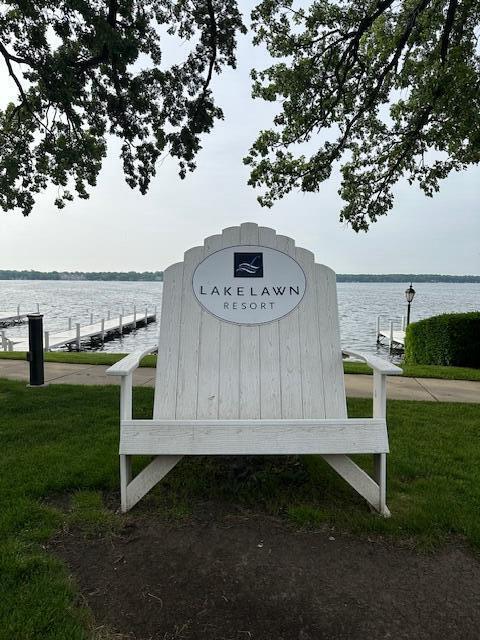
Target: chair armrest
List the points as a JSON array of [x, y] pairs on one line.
[[127, 365], [377, 364]]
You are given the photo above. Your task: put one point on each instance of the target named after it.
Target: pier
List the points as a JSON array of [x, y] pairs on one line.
[[394, 336], [11, 317], [103, 329]]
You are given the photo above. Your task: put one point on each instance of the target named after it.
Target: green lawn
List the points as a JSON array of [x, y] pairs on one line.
[[96, 357], [63, 440], [82, 357], [421, 371]]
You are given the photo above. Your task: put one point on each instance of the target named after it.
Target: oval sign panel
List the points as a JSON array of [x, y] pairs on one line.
[[249, 284]]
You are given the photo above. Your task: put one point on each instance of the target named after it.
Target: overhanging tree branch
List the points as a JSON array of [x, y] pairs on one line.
[[85, 84], [24, 100], [13, 58], [211, 65], [103, 56], [447, 29], [383, 74]]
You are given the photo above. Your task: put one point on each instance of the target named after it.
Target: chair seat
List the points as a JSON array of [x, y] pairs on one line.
[[210, 437]]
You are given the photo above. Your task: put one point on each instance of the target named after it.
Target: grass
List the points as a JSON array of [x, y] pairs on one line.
[[60, 443], [81, 357], [421, 371], [96, 357]]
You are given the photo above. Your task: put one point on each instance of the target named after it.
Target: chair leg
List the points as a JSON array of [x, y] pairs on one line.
[[125, 477], [356, 478], [133, 489], [380, 462], [374, 491]]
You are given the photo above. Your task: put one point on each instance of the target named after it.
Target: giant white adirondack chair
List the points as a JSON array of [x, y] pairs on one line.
[[274, 388]]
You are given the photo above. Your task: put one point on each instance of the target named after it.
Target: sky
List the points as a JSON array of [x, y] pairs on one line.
[[118, 229]]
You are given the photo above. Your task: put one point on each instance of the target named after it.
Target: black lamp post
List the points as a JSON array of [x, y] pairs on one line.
[[409, 295]]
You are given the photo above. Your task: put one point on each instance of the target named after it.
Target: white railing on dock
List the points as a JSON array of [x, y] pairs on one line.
[[103, 328], [395, 337], [12, 317]]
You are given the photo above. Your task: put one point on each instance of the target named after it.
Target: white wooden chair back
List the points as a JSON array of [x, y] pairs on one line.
[[212, 369]]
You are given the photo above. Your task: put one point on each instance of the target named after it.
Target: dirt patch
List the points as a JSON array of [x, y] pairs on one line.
[[252, 577]]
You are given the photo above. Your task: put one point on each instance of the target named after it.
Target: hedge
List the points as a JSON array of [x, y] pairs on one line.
[[452, 339]]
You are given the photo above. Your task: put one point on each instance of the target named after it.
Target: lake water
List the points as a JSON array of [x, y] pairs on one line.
[[359, 305]]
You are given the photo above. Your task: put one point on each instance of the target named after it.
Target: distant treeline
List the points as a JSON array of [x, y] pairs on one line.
[[130, 276], [403, 277], [157, 276]]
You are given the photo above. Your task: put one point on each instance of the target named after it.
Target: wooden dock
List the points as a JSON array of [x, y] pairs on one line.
[[11, 317], [103, 329], [395, 337]]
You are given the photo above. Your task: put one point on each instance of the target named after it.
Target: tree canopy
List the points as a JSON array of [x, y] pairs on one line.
[[84, 69], [385, 88]]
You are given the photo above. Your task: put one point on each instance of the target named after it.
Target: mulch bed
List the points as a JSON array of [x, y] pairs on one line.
[[229, 575]]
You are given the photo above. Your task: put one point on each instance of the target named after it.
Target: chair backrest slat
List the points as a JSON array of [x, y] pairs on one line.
[[169, 339], [249, 373], [208, 366], [290, 357], [329, 338], [310, 343], [270, 388], [289, 368]]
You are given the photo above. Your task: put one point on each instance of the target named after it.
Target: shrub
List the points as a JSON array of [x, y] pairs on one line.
[[451, 339]]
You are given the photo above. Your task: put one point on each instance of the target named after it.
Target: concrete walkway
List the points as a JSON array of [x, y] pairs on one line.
[[359, 386]]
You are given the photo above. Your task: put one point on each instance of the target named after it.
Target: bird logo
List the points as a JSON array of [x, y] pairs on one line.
[[248, 267]]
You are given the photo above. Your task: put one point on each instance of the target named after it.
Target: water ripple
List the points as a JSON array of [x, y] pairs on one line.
[[359, 305]]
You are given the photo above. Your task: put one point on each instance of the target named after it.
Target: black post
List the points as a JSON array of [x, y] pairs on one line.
[[408, 313], [35, 344]]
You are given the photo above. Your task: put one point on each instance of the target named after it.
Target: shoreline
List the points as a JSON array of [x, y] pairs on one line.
[[30, 275]]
